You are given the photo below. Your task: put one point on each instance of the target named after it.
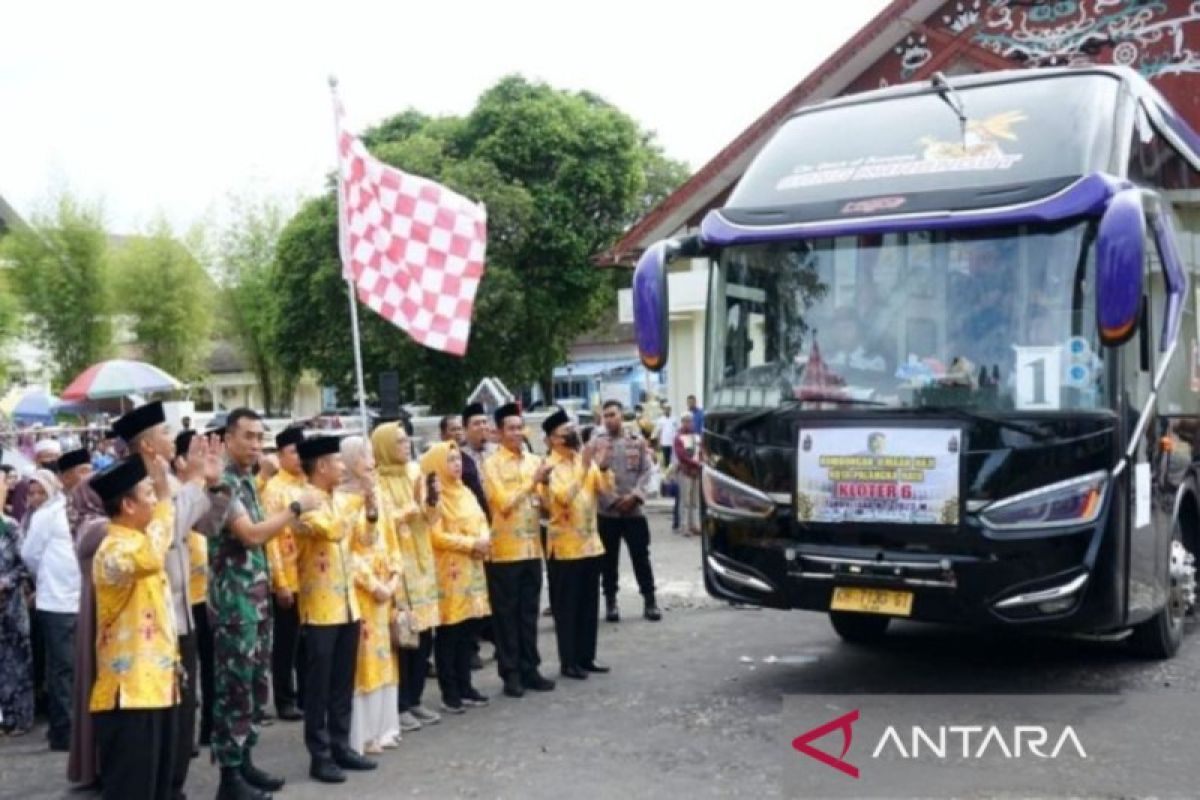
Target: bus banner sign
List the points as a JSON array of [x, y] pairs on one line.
[[879, 475]]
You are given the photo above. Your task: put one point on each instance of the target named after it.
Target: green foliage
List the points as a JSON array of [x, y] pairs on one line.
[[561, 173], [244, 264], [58, 278], [168, 297]]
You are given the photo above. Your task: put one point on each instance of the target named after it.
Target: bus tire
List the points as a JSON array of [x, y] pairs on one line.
[[1160, 636], [857, 628]]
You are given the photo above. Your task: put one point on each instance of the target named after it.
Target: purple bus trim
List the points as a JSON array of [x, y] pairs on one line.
[[1087, 196], [1176, 278]]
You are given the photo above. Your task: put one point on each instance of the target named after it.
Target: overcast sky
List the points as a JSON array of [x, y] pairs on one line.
[[148, 106]]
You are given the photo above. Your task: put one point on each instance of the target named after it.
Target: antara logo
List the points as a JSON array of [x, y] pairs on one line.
[[873, 204], [942, 742]]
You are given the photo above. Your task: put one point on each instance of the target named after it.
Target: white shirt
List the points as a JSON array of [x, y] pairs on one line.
[[667, 428], [49, 554]]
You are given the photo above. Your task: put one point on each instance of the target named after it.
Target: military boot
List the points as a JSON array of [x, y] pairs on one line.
[[234, 787]]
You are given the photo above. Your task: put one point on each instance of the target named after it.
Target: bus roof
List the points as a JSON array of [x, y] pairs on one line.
[[977, 154]]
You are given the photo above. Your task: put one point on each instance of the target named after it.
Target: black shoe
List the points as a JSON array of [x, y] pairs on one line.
[[535, 682], [476, 662], [257, 778], [513, 687], [611, 612], [473, 698], [651, 611], [234, 787], [288, 712], [353, 761], [573, 672], [594, 667], [325, 771]]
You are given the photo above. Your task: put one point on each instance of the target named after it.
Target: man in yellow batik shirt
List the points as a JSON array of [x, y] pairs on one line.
[[573, 545], [135, 696], [511, 477], [329, 611], [285, 487]]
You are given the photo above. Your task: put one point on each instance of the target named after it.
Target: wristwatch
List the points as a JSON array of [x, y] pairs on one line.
[[296, 508]]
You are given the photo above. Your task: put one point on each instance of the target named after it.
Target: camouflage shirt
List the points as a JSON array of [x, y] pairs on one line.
[[239, 586]]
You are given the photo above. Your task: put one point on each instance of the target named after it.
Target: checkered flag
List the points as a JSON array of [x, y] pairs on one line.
[[412, 248]]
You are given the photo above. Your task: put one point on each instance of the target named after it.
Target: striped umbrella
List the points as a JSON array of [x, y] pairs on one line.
[[118, 378], [24, 406]]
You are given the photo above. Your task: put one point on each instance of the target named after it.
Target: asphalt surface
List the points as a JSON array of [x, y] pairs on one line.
[[693, 706]]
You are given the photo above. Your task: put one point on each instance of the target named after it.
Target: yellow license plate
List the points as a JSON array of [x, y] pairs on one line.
[[872, 601]]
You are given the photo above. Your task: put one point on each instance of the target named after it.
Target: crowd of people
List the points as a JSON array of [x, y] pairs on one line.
[[195, 578]]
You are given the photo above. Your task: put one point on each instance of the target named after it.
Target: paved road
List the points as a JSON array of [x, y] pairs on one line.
[[691, 709]]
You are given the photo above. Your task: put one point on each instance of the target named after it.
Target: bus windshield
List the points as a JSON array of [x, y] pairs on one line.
[[999, 318]]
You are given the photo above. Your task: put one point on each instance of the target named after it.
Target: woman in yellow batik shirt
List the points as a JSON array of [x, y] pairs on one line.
[[460, 546], [374, 719], [402, 489]]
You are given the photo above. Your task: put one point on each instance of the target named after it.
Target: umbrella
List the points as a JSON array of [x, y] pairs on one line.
[[117, 378], [29, 405]]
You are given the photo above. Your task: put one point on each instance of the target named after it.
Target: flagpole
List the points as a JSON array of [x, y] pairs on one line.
[[354, 331]]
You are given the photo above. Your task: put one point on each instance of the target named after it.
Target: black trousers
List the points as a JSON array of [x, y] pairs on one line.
[[185, 716], [515, 591], [204, 651], [137, 750], [576, 602], [287, 670], [58, 639], [452, 650], [413, 671], [332, 652], [635, 531], [667, 453]]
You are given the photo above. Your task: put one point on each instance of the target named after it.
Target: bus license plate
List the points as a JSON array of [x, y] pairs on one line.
[[872, 601]]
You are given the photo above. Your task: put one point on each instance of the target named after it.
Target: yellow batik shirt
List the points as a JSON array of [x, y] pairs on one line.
[[516, 528], [462, 584], [282, 490], [198, 559], [137, 653], [376, 564], [571, 532], [324, 563]]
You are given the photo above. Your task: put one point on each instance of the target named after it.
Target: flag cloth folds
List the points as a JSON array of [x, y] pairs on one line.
[[412, 248]]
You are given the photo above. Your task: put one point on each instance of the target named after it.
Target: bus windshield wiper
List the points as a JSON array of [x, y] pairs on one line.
[[976, 416], [831, 398], [790, 400]]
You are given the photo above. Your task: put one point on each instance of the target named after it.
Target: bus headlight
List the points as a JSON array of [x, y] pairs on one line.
[[1073, 502], [727, 497]]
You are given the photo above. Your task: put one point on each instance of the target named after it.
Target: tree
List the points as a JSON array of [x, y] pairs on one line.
[[561, 174], [59, 279], [168, 297], [243, 263]]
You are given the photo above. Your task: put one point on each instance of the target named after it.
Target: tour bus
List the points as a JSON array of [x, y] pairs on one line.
[[952, 369]]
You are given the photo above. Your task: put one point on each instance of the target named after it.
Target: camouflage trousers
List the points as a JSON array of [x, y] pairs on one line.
[[242, 675]]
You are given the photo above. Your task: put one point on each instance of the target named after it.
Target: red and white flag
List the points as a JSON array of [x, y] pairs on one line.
[[412, 248]]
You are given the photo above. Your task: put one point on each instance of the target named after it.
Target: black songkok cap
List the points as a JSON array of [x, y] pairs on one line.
[[559, 417], [506, 410], [183, 440], [73, 458], [119, 478], [318, 446], [289, 436], [140, 419], [473, 410]]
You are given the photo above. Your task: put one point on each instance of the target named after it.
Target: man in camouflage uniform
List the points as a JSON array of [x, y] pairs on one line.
[[239, 605]]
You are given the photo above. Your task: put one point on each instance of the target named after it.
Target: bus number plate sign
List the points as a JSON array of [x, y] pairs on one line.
[[872, 601]]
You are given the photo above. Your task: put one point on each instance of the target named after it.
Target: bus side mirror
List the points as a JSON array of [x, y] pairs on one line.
[[650, 307], [1120, 267]]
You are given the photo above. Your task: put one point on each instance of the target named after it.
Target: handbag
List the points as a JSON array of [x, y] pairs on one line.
[[404, 630], [403, 624]]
